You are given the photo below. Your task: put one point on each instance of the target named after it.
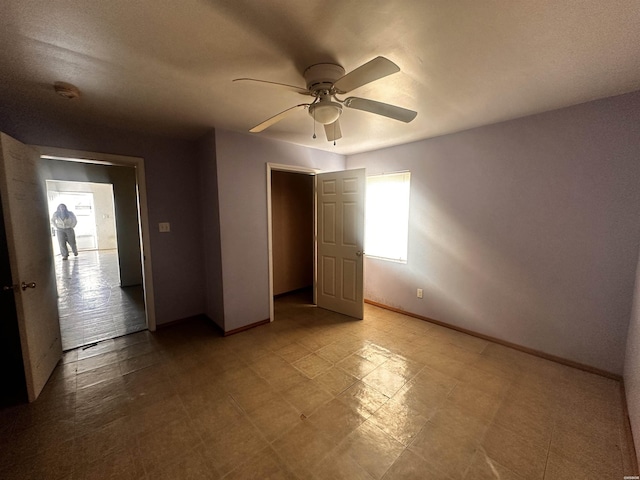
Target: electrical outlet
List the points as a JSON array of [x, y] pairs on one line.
[[164, 227], [419, 293]]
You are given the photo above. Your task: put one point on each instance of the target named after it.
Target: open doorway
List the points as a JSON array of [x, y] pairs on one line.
[[291, 204], [338, 237], [111, 278], [93, 303], [292, 235]]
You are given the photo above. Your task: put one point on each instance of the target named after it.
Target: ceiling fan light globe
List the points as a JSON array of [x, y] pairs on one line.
[[325, 112]]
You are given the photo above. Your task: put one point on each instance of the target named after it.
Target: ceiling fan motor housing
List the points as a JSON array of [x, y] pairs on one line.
[[322, 76]]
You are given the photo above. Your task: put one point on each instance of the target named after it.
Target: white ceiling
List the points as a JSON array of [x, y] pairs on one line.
[[166, 67]]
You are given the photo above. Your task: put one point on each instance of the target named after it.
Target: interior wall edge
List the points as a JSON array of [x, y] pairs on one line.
[[247, 327], [632, 362], [530, 351]]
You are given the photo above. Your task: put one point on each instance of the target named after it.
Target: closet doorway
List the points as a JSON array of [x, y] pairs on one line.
[[292, 230]]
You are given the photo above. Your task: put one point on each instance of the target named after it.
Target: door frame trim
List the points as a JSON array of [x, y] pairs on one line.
[[137, 163], [293, 169]]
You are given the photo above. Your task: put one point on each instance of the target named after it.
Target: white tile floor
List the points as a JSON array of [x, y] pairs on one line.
[[316, 395]]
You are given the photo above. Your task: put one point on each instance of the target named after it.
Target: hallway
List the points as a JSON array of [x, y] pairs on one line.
[[92, 305]]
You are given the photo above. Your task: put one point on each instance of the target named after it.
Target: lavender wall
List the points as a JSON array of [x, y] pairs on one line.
[[171, 178], [632, 365], [527, 230], [242, 189]]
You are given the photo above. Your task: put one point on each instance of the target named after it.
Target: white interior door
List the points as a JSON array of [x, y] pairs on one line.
[[24, 204], [340, 239]]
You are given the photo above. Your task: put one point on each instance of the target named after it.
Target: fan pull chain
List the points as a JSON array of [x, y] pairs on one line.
[[334, 133], [314, 123]]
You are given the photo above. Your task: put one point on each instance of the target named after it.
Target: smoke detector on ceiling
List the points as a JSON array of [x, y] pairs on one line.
[[66, 90]]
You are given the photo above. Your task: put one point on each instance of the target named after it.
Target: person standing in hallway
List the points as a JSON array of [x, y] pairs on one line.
[[64, 222]]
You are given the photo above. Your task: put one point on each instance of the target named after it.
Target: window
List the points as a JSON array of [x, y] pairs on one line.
[[387, 216]]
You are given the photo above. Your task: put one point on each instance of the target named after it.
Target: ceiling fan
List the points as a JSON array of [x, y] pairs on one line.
[[327, 80]]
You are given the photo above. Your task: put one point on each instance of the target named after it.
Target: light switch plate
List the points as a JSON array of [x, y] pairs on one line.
[[164, 227]]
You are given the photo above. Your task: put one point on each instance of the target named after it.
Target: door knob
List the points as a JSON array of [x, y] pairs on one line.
[[28, 285], [359, 253]]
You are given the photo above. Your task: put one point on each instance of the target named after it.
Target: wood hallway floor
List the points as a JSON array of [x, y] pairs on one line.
[[92, 305]]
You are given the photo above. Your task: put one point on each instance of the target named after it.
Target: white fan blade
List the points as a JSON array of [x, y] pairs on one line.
[[302, 91], [379, 108], [333, 131], [375, 69], [276, 118]]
